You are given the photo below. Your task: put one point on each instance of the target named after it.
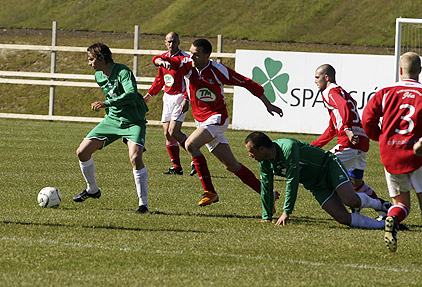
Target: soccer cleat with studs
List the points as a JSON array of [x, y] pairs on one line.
[[84, 195], [172, 170], [390, 233], [193, 169], [142, 209], [208, 198]]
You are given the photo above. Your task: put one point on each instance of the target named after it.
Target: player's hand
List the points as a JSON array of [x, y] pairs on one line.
[[283, 219], [184, 106], [95, 106], [270, 107], [162, 63], [274, 109], [354, 139], [147, 97], [417, 147]]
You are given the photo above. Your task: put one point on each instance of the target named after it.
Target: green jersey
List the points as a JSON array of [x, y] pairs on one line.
[[299, 162], [123, 101]]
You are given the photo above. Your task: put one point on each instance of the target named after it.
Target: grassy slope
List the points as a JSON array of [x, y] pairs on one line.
[[356, 22]]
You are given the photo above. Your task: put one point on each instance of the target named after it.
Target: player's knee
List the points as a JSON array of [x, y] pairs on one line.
[[344, 219], [353, 202]]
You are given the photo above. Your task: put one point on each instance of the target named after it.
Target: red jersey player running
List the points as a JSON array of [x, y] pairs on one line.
[[205, 81], [352, 142], [399, 133], [172, 116]]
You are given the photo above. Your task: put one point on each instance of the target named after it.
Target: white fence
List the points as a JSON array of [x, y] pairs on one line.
[[54, 79]]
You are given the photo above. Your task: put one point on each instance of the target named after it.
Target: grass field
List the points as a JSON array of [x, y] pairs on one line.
[[104, 243]]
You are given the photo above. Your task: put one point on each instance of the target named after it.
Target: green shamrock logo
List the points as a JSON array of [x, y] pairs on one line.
[[272, 83]]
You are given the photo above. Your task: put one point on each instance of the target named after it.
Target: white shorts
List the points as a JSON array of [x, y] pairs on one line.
[[213, 126], [351, 158], [399, 183], [172, 108]]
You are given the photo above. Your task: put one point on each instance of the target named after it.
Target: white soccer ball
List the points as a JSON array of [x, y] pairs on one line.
[[49, 197]]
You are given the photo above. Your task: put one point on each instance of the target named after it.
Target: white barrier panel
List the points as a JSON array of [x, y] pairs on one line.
[[289, 82]]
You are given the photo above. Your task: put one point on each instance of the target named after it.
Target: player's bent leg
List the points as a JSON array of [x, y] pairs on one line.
[[135, 155], [338, 211], [87, 166], [88, 147], [335, 208], [140, 175], [193, 144]]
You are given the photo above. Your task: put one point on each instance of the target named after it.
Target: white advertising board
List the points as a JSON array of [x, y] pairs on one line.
[[289, 82]]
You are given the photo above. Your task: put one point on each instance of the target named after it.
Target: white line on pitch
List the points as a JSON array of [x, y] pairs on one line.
[[240, 256]]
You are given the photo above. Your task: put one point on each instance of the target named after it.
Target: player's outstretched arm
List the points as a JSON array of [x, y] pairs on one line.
[[270, 107]]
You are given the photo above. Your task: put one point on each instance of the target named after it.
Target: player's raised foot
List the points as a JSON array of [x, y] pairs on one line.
[[84, 195], [193, 169], [142, 209], [208, 197], [172, 170], [390, 233]]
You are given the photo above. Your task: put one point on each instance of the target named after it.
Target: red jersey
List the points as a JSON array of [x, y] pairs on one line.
[[172, 80], [400, 107], [205, 87], [343, 115]]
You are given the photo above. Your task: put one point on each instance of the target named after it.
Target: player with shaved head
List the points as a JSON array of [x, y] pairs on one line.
[[174, 95], [352, 142], [399, 134]]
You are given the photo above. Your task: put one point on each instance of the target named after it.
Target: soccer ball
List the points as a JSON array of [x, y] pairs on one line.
[[49, 197]]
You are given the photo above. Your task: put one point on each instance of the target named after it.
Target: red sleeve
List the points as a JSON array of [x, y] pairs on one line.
[[158, 83], [176, 62], [327, 136], [371, 116], [237, 79]]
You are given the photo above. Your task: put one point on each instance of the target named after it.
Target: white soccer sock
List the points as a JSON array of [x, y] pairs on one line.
[[88, 171], [141, 182], [362, 221], [367, 201]]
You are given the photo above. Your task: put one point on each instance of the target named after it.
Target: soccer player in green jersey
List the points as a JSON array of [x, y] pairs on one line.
[[318, 171], [125, 118]]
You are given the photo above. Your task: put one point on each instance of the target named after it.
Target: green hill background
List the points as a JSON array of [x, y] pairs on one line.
[[364, 22], [334, 26]]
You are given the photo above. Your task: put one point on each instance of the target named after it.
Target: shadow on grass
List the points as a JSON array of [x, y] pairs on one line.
[[102, 227], [206, 215]]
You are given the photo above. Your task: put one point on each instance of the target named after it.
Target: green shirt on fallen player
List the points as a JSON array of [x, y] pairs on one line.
[[298, 162]]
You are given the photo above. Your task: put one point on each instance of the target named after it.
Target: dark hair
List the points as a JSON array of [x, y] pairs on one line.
[[259, 139], [100, 49], [204, 44]]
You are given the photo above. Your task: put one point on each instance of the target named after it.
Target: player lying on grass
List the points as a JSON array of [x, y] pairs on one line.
[[205, 80], [393, 116], [317, 170], [125, 118]]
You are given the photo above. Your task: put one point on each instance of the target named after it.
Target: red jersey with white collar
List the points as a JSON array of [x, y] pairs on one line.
[[400, 107], [205, 87], [172, 80], [343, 115]]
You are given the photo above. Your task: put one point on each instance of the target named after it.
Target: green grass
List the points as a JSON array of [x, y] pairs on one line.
[[356, 22], [104, 243]]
